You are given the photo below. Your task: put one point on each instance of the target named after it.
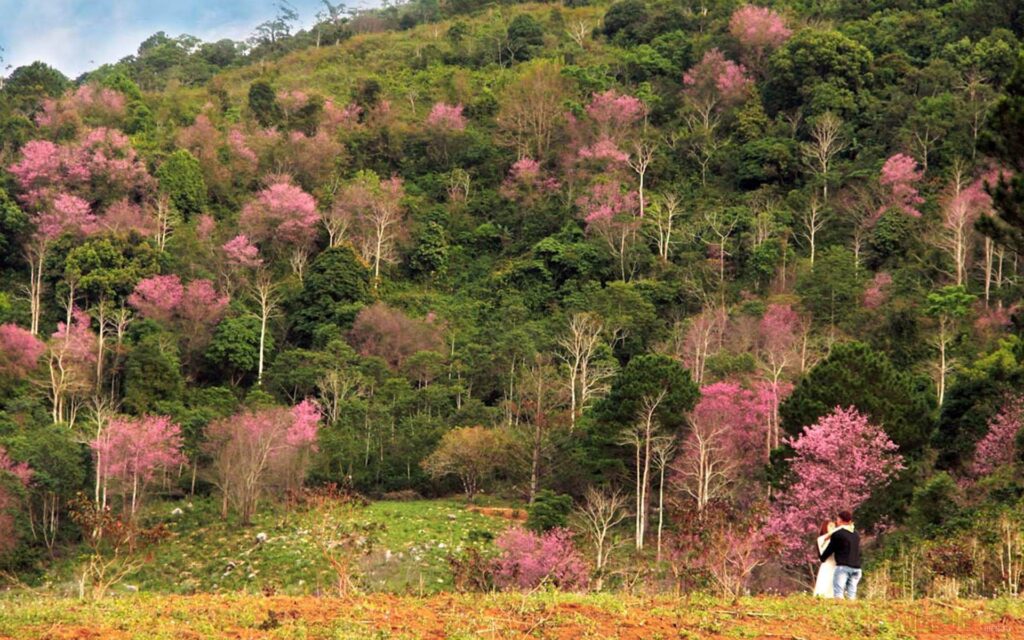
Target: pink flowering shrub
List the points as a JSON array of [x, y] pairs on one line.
[[837, 463], [19, 351], [898, 176], [613, 111], [999, 444], [446, 117], [529, 560], [526, 182]]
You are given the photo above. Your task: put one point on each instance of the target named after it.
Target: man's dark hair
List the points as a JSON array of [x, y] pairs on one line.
[[845, 516]]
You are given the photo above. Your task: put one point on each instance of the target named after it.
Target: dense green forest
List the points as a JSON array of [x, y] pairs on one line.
[[696, 274]]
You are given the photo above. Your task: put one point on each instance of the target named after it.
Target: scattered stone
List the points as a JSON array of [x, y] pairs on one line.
[[177, 512], [131, 587], [261, 537]]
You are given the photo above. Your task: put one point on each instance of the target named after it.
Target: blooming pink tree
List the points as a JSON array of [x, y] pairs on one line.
[[242, 253], [258, 449], [963, 202], [282, 215], [158, 297], [192, 310], [131, 453], [446, 117], [898, 176], [529, 560], [779, 351], [611, 213], [837, 464], [88, 104], [19, 351], [710, 87], [71, 362], [758, 30], [388, 333], [526, 183], [723, 444], [713, 83], [999, 444]]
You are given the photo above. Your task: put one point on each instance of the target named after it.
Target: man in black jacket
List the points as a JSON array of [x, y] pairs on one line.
[[845, 545]]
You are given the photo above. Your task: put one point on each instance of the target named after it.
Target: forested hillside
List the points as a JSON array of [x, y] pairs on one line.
[[688, 278]]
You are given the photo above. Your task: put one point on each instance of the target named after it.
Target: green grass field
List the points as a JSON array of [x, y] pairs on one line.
[[205, 554]]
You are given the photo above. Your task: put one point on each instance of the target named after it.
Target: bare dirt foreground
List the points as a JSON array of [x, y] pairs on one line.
[[539, 615]]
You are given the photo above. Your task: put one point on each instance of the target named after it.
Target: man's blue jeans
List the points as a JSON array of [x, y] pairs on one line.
[[845, 582]]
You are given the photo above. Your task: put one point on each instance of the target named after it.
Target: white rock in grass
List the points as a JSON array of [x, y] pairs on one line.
[[177, 512], [131, 587], [261, 537]]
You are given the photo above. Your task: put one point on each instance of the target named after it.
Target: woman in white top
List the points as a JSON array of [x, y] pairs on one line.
[[823, 585]]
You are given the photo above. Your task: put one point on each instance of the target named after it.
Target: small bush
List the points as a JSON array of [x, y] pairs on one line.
[[548, 511]]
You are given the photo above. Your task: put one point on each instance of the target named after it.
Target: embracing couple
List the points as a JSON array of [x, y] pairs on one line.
[[839, 548]]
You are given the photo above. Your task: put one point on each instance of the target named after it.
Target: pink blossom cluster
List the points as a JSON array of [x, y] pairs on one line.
[[242, 253], [717, 79], [526, 182], [165, 299], [529, 560], [75, 341], [613, 111], [604, 149], [102, 164], [134, 450], [282, 212], [607, 202], [758, 28], [999, 444], [446, 117], [19, 350], [899, 175], [89, 101], [20, 470]]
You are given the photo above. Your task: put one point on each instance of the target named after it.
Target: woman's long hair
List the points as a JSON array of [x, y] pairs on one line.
[[824, 527]]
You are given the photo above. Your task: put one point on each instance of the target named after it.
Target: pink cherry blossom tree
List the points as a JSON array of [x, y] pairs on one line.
[[723, 444], [898, 176], [240, 252], [526, 182], [837, 463], [758, 30], [191, 310], [611, 213], [778, 353], [282, 216], [963, 202], [130, 453], [446, 117], [19, 351], [72, 366], [999, 444], [259, 449], [710, 87]]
